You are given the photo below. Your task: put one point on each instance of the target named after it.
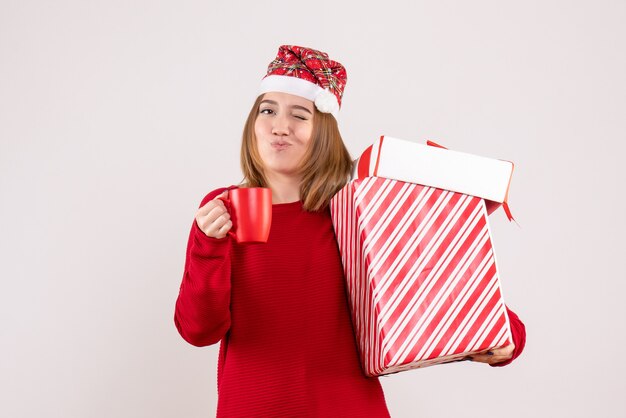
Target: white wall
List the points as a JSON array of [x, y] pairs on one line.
[[117, 117]]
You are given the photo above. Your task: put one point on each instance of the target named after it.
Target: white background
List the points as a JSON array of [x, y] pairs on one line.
[[117, 117]]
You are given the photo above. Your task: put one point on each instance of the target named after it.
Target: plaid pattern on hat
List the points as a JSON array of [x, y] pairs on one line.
[[312, 66]]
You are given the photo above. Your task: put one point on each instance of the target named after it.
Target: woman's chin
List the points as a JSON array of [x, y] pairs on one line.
[[281, 172]]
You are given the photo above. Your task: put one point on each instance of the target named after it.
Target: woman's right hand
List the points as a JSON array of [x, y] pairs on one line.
[[213, 218]]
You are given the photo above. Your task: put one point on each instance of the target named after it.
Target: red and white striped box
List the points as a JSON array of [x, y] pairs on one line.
[[421, 274]]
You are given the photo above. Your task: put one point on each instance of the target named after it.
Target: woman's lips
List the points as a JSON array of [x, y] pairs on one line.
[[280, 145]]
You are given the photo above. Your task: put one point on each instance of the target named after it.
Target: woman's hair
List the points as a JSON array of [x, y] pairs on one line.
[[325, 166]]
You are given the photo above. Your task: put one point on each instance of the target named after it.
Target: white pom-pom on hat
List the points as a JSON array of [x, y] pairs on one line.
[[326, 102]]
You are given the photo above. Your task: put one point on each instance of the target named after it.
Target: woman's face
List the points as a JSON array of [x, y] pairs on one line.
[[283, 129]]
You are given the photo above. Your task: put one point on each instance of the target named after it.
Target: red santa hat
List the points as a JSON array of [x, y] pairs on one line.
[[307, 73]]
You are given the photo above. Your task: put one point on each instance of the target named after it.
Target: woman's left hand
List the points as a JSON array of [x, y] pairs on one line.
[[495, 355]]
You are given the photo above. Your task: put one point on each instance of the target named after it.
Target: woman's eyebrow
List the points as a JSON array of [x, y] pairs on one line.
[[275, 103], [303, 108]]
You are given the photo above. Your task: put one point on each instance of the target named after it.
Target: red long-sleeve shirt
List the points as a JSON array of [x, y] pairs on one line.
[[281, 312]]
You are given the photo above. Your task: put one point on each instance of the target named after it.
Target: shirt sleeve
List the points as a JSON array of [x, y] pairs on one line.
[[202, 312], [518, 333]]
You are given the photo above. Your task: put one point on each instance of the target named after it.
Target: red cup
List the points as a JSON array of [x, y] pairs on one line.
[[250, 211]]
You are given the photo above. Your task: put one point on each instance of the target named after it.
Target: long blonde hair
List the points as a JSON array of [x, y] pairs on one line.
[[325, 167]]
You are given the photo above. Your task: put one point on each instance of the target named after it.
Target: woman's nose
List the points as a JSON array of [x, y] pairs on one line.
[[280, 125]]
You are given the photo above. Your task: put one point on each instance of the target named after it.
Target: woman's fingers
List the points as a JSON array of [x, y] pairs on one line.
[[485, 358], [211, 223], [495, 355], [223, 231], [215, 226], [213, 218], [218, 214], [504, 351], [208, 206]]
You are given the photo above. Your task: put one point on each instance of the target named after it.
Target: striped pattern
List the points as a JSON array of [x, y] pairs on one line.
[[421, 274]]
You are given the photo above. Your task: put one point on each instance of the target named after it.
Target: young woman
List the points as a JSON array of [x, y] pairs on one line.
[[280, 309]]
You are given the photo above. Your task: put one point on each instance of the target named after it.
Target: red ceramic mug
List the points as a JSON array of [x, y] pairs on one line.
[[250, 210]]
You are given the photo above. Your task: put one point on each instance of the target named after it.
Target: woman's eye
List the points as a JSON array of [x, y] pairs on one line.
[[266, 111], [300, 117]]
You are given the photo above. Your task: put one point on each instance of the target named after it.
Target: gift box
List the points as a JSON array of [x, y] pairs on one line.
[[421, 273]]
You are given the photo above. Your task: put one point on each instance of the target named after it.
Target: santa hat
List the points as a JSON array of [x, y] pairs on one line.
[[307, 73]]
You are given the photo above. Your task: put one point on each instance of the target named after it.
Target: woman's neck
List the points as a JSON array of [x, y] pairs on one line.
[[284, 189]]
